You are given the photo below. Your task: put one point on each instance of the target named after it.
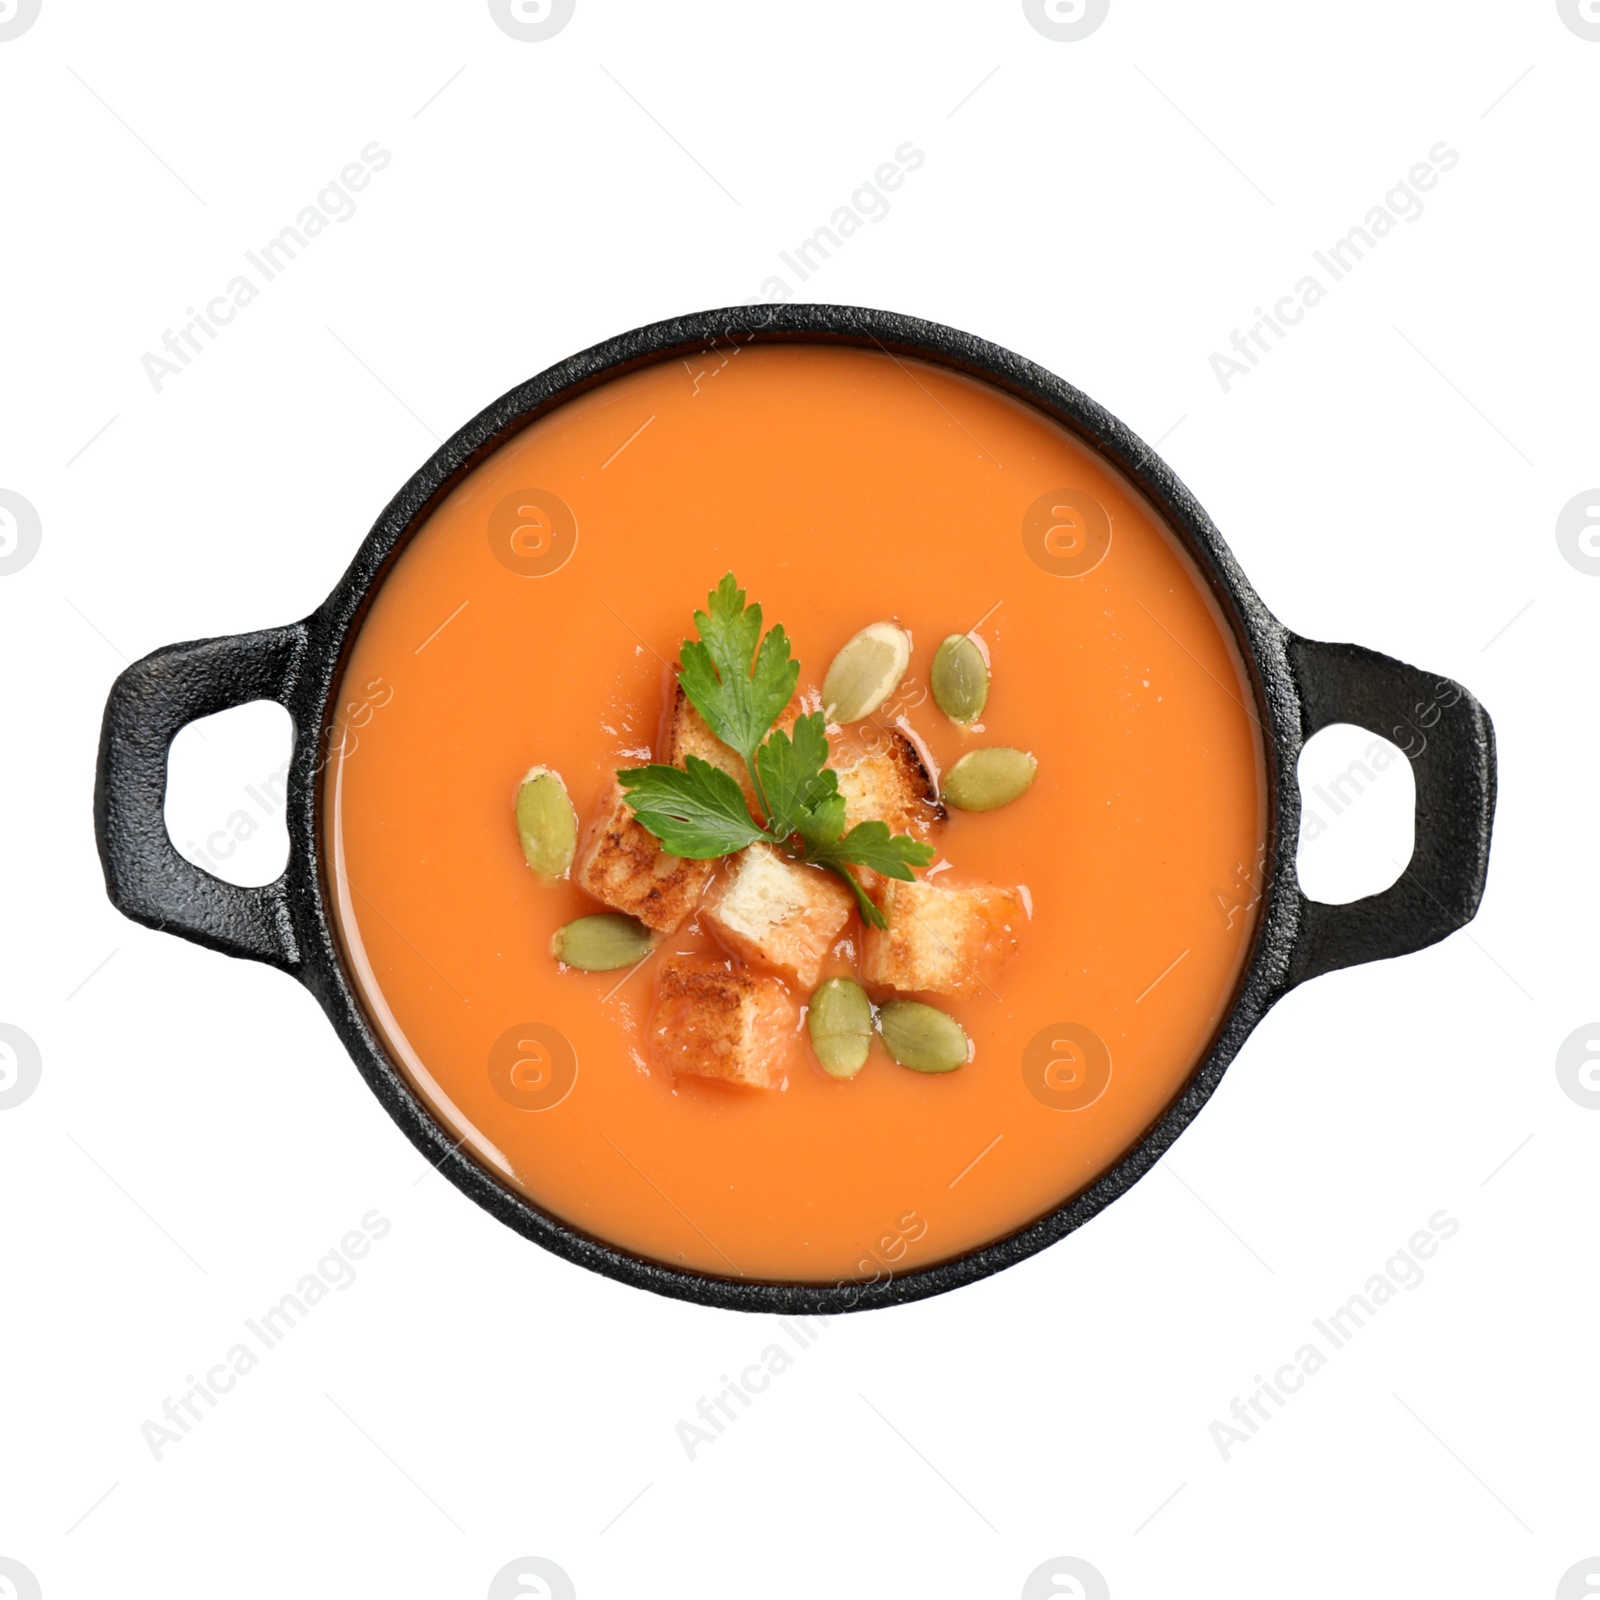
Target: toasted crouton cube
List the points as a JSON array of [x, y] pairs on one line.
[[891, 782], [943, 941], [688, 735], [776, 913], [713, 1023], [622, 864]]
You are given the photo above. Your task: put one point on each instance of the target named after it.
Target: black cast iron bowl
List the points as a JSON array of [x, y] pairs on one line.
[[1300, 687]]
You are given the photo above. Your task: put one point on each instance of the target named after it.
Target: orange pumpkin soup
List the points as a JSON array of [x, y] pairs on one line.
[[533, 621]]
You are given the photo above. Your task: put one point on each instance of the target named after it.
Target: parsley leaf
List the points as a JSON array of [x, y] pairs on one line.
[[739, 689], [795, 775], [821, 827], [740, 681], [697, 811], [868, 844]]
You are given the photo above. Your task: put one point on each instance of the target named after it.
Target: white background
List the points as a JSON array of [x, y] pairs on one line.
[[1392, 474]]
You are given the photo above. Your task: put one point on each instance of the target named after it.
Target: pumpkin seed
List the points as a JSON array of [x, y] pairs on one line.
[[923, 1038], [546, 824], [839, 1020], [985, 780], [959, 679], [602, 943], [866, 672]]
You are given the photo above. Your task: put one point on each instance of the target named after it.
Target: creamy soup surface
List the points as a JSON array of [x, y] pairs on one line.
[[842, 487]]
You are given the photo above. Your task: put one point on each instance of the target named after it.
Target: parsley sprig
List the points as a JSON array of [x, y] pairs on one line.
[[740, 681]]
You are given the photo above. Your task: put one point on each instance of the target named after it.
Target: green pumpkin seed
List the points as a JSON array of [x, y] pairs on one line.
[[922, 1038], [985, 780], [602, 943], [866, 672], [839, 1020], [959, 679], [546, 824]]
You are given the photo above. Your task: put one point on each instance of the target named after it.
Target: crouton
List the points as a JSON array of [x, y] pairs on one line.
[[891, 783], [712, 1023], [776, 913], [942, 941], [688, 735], [621, 863]]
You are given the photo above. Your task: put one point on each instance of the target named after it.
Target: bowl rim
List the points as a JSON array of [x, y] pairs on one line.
[[330, 631]]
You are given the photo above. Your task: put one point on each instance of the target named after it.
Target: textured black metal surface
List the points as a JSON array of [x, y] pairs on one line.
[[1300, 686], [146, 878], [1449, 741]]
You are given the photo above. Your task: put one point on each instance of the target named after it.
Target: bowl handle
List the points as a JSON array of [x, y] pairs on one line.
[[1449, 740], [146, 878]]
